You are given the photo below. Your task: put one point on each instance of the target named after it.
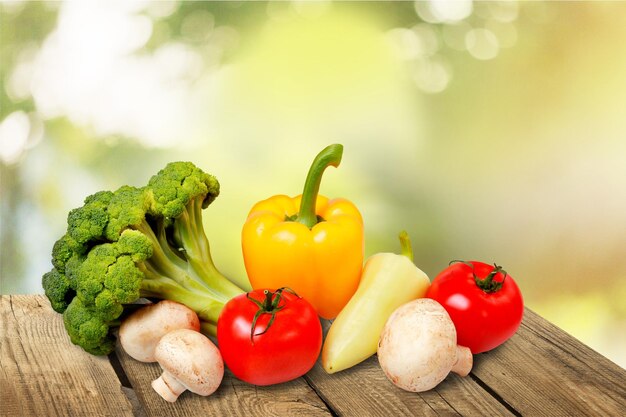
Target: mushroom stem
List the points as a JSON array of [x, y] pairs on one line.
[[464, 361], [168, 387]]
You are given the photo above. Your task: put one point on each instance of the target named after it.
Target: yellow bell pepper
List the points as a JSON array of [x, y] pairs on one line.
[[388, 281], [308, 243]]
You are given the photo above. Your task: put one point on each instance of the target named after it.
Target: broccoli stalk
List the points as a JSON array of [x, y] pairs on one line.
[[190, 236], [132, 243]]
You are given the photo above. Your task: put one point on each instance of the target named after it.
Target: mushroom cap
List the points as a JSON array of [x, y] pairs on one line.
[[192, 359], [142, 330], [417, 347]]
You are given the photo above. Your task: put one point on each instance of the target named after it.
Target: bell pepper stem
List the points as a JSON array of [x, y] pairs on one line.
[[405, 244], [331, 155]]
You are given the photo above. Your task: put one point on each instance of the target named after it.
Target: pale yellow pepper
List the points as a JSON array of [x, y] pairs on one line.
[[388, 281]]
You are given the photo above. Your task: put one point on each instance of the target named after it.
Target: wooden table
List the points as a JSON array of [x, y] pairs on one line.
[[541, 371]]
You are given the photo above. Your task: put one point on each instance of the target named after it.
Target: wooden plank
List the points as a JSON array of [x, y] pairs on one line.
[[43, 374], [364, 390], [232, 398], [542, 370]]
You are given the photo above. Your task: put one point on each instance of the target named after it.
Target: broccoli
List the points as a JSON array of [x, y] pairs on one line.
[[132, 243]]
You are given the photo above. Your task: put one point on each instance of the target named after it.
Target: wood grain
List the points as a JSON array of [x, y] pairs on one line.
[[233, 397], [364, 390], [43, 374], [543, 371]]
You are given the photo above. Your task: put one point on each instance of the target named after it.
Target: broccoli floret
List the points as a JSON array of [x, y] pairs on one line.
[[132, 243], [62, 252], [58, 290], [86, 224], [181, 191], [87, 327], [127, 209], [55, 283], [179, 183]]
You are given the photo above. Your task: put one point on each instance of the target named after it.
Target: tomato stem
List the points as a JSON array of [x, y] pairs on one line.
[[487, 284], [269, 306], [268, 300]]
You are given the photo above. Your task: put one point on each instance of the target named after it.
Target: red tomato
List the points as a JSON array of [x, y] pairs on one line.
[[282, 343], [483, 302]]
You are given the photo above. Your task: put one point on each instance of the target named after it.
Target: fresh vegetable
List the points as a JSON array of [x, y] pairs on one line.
[[190, 361], [483, 301], [388, 281], [141, 331], [308, 243], [269, 337], [418, 347], [132, 243]]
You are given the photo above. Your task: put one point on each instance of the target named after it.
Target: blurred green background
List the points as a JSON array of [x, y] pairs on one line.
[[493, 131]]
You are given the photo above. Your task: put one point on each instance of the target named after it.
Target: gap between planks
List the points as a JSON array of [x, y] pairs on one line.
[[320, 395], [127, 388], [495, 395]]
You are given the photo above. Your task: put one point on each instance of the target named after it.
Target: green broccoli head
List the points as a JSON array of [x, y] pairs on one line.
[[107, 279], [72, 268], [109, 275], [95, 265], [62, 252], [86, 224], [132, 243], [88, 328], [58, 290], [179, 183], [127, 209], [55, 283], [135, 245]]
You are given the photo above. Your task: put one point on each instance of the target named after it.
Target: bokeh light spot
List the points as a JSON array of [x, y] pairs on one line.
[[14, 131], [432, 75], [504, 10], [482, 44], [443, 11]]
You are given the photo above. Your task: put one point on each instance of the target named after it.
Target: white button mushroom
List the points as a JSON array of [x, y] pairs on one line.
[[417, 348], [190, 361], [141, 331]]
